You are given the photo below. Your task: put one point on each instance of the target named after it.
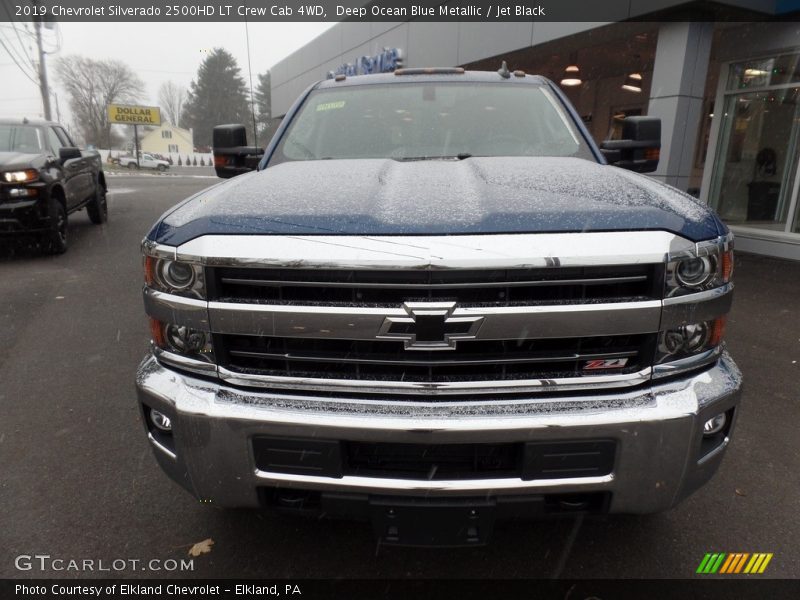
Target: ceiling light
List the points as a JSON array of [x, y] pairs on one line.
[[633, 83], [572, 76]]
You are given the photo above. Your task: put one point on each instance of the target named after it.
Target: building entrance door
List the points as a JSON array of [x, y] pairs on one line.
[[754, 181]]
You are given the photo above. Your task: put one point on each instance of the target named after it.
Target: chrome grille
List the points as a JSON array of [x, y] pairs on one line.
[[294, 344], [473, 287]]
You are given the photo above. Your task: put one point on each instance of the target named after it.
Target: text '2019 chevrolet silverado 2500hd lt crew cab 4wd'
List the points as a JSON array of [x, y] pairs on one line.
[[43, 178], [433, 304]]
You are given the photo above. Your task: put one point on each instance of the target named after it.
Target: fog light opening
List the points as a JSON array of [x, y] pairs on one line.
[[161, 421], [714, 425]]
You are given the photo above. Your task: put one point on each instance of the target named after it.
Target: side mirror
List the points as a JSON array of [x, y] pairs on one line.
[[232, 155], [640, 146], [66, 153]]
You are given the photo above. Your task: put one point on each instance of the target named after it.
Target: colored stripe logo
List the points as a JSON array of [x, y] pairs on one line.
[[734, 563]]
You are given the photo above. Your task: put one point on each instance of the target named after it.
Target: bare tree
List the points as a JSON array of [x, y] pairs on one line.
[[91, 86], [171, 98]]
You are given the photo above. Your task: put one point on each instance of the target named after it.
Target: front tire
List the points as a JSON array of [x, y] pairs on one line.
[[55, 240], [97, 209], [162, 168]]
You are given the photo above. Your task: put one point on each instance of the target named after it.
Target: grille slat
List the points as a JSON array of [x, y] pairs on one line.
[[471, 360], [493, 287], [426, 286], [436, 362]]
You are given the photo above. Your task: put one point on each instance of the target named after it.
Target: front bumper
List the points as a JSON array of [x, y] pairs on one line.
[[661, 456], [23, 216]]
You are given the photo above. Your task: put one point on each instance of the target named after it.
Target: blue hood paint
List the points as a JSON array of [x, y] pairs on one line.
[[437, 197]]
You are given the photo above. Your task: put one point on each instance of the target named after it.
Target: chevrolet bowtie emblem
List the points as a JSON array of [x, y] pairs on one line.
[[429, 326]]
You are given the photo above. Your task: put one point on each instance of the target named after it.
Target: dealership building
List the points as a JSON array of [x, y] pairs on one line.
[[726, 91]]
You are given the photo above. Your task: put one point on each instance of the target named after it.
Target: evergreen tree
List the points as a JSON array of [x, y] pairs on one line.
[[263, 101], [217, 96]]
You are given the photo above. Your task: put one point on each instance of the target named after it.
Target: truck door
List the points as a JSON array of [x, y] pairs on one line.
[[70, 168], [80, 170]]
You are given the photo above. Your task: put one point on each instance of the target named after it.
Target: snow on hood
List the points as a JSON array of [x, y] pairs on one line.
[[475, 195]]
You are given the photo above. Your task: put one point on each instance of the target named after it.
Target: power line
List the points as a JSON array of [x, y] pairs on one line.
[[19, 66], [19, 99], [16, 55], [162, 71], [16, 32]]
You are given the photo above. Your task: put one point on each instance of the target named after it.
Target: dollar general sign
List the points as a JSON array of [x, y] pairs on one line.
[[134, 115]]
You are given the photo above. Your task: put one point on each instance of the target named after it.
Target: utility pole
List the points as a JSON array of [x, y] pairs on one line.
[[43, 88], [58, 110]]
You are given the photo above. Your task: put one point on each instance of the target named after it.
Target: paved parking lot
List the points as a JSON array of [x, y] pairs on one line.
[[77, 478]]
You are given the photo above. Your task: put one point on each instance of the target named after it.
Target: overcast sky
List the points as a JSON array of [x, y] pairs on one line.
[[157, 52]]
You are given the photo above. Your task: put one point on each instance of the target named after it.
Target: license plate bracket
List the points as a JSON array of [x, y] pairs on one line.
[[432, 522]]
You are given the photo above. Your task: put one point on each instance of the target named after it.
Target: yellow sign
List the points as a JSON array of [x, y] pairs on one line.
[[134, 115]]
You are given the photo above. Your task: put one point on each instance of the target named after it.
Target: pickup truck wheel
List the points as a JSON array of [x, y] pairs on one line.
[[132, 165], [55, 240], [162, 168], [97, 209]]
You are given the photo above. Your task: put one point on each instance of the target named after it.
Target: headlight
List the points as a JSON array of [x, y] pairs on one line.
[[182, 340], [23, 176], [174, 277], [710, 265], [695, 272], [690, 340]]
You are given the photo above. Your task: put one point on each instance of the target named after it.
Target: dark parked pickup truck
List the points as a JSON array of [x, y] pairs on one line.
[[43, 178], [434, 302]]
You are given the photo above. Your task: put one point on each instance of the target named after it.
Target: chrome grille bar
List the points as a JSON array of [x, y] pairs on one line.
[[556, 384], [500, 323], [437, 362], [424, 286]]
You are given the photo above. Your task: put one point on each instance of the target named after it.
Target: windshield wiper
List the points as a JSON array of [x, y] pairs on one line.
[[459, 156]]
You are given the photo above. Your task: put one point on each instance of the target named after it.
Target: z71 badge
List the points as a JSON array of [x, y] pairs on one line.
[[608, 363]]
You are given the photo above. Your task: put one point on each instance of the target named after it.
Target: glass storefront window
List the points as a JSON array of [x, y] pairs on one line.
[[755, 165], [765, 72]]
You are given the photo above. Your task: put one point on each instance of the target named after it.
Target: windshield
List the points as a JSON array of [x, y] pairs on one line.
[[27, 140], [416, 121]]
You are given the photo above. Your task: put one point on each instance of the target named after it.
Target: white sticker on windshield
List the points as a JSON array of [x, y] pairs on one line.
[[330, 105]]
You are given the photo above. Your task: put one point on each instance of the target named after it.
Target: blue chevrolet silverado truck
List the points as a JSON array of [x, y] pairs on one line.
[[433, 302]]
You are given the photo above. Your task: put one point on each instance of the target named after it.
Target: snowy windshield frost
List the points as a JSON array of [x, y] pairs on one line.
[[430, 120]]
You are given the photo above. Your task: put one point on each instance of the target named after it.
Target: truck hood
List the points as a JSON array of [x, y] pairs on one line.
[[18, 160], [444, 197]]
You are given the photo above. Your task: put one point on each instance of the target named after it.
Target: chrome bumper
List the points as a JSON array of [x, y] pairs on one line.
[[658, 431]]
